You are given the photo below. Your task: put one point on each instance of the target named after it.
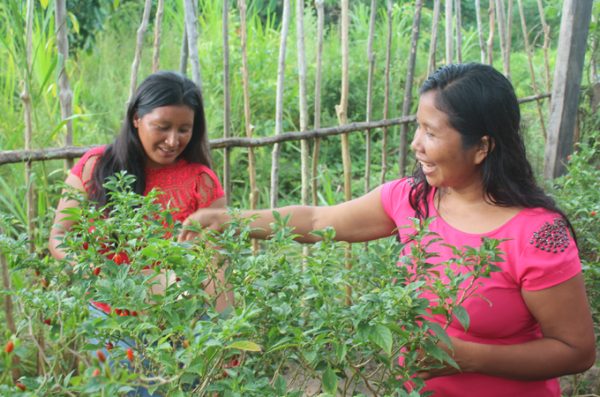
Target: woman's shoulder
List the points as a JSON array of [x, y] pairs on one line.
[[84, 167]]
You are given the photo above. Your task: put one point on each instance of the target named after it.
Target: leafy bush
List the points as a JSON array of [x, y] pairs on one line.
[[297, 317]]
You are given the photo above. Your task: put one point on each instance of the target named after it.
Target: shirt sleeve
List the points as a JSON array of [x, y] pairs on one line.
[[549, 258], [78, 168], [208, 188]]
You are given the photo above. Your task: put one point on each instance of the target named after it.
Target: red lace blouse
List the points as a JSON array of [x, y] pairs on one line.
[[185, 186]]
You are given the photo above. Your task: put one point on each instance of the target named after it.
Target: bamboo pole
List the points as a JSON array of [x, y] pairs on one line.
[[285, 22], [27, 114], [407, 102], [431, 64], [157, 31], [490, 40], [341, 111], [139, 45], [502, 36], [509, 20], [303, 108], [192, 39], [65, 93], [226, 103], [480, 30], [531, 68], [317, 104], [546, 46], [449, 32], [303, 111], [371, 62], [458, 15], [386, 90], [247, 114], [183, 58]]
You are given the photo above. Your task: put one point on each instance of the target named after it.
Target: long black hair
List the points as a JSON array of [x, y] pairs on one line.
[[480, 101], [126, 152]]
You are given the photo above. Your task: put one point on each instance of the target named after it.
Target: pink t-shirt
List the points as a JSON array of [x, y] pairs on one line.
[[502, 317]]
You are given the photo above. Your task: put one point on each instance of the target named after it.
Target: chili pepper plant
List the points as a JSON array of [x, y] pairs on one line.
[[336, 319]]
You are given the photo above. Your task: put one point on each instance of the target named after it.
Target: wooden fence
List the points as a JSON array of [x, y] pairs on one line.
[[557, 133]]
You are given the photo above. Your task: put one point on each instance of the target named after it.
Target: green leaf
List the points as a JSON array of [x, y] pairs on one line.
[[382, 337], [462, 316], [440, 333], [330, 381], [245, 345]]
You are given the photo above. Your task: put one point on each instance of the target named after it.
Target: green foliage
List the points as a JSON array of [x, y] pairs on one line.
[[295, 318]]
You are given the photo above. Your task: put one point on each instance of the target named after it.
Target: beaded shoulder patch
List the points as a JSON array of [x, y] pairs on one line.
[[551, 237]]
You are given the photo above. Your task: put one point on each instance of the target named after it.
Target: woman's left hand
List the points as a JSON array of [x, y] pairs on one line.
[[432, 367]]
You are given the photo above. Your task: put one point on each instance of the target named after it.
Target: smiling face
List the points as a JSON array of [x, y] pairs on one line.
[[439, 149], [164, 133]]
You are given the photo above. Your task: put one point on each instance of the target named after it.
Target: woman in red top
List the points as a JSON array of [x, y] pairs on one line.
[[163, 143]]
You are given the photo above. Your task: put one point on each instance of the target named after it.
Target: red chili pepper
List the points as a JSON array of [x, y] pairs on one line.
[[21, 386], [48, 321], [85, 245], [593, 213], [101, 356], [10, 346], [109, 346], [118, 312], [96, 372], [97, 271], [130, 354]]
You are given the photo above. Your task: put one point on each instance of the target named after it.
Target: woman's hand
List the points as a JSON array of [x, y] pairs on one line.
[[432, 366], [206, 218]]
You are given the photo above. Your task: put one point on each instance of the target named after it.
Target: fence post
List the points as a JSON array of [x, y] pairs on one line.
[[576, 16]]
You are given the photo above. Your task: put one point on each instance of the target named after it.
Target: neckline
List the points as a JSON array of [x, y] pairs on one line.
[[439, 218]]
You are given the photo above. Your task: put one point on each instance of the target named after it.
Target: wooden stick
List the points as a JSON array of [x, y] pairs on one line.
[[183, 58], [449, 32], [341, 111], [502, 35], [407, 102], [226, 104], [458, 31], [192, 39], [139, 45], [285, 22], [546, 29], [386, 90], [157, 31], [65, 93], [431, 64], [371, 68], [480, 30], [531, 68], [490, 40], [317, 105]]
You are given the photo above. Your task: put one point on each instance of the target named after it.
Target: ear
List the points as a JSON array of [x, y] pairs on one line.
[[136, 120], [486, 145]]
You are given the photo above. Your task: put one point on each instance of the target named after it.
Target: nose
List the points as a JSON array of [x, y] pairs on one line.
[[171, 139], [416, 141]]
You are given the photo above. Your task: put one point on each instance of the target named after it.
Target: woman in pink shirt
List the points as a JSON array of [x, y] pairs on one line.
[[472, 176]]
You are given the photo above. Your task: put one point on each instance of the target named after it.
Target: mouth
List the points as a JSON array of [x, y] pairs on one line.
[[167, 152], [426, 167]]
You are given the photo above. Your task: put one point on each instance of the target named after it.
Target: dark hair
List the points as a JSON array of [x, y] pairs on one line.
[[480, 101], [126, 152]]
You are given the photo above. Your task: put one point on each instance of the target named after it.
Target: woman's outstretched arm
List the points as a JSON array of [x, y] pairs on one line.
[[361, 219]]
